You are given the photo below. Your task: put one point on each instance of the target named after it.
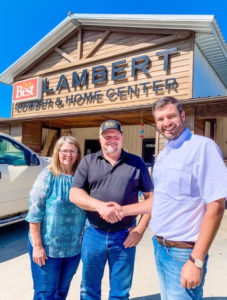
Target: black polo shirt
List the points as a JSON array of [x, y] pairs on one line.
[[120, 183]]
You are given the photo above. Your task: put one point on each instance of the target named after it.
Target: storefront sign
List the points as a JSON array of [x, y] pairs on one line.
[[100, 74], [96, 97], [85, 87], [30, 89]]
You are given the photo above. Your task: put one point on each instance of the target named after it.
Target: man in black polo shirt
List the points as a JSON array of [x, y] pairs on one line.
[[110, 175]]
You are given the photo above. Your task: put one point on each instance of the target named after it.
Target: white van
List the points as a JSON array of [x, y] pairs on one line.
[[19, 167]]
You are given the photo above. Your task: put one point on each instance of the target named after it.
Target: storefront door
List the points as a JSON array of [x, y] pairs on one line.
[[148, 151]]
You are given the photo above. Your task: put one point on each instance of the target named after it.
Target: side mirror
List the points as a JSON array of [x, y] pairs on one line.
[[34, 160]]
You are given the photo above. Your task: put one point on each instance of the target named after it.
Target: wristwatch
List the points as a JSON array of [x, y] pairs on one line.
[[197, 262]]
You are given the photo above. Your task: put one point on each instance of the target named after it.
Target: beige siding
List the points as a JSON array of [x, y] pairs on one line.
[[114, 47], [83, 134], [133, 141], [221, 135], [190, 118], [159, 143], [16, 132]]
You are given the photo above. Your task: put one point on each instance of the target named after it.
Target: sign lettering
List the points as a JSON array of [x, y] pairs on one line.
[[77, 86]]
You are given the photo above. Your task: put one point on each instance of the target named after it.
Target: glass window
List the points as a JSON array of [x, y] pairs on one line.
[[11, 153]]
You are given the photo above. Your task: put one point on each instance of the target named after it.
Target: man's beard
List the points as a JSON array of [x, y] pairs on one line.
[[178, 132], [110, 149]]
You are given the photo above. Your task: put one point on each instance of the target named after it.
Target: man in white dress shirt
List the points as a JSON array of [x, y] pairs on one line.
[[190, 186]]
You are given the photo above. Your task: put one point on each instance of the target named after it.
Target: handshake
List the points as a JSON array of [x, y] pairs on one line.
[[111, 212]]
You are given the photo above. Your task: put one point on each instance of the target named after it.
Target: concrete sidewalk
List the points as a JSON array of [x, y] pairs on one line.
[[145, 281], [16, 282]]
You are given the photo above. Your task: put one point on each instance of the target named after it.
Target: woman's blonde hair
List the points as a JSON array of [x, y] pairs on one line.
[[54, 166]]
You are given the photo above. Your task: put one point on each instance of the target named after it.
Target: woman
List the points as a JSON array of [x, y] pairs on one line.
[[56, 224]]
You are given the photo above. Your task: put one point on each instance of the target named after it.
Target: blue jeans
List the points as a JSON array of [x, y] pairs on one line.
[[99, 247], [169, 263], [52, 281]]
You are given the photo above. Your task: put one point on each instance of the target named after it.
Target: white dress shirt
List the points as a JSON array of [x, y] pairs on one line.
[[188, 174]]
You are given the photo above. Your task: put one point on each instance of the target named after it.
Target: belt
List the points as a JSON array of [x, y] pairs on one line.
[[176, 244]]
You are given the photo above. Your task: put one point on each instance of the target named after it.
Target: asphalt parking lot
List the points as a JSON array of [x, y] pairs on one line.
[[16, 282]]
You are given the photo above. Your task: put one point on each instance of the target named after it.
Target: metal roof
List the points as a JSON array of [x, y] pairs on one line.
[[208, 37]]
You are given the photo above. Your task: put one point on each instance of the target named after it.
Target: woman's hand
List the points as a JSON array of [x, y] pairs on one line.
[[39, 255]]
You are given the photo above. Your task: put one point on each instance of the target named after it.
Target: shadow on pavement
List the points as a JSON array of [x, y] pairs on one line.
[[157, 297], [215, 298], [150, 297], [13, 240]]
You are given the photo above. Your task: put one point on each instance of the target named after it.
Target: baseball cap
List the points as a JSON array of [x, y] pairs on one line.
[[110, 124]]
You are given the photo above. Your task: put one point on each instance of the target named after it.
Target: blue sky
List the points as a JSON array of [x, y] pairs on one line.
[[23, 23]]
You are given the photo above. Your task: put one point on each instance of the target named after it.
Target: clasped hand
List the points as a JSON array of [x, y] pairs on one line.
[[111, 212]]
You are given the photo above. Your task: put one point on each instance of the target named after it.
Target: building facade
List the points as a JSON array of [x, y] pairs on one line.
[[91, 68]]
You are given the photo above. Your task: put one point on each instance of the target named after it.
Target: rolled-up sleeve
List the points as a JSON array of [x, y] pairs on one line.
[[213, 174], [38, 196]]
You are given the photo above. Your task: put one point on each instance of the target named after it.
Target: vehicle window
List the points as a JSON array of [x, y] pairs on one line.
[[11, 154]]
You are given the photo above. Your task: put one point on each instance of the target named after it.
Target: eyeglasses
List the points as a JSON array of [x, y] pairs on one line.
[[65, 152]]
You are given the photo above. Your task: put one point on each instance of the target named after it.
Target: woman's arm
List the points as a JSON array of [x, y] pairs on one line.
[[37, 203], [39, 254]]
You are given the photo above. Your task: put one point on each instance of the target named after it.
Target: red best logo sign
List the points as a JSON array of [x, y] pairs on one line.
[[30, 89]]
